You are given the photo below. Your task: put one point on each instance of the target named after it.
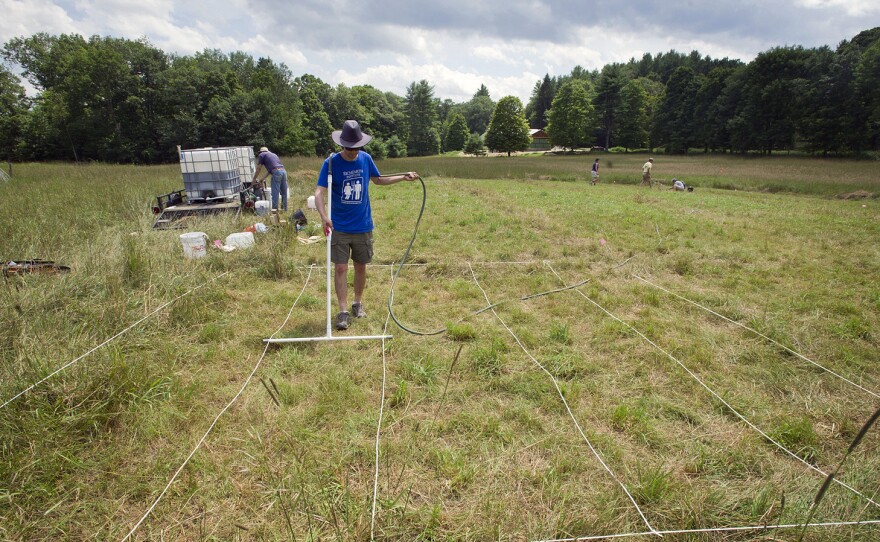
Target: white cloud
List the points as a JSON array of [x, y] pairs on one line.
[[456, 85], [490, 53], [29, 17], [261, 46], [854, 8]]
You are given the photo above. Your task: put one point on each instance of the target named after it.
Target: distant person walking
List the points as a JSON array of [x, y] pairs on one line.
[[275, 168], [594, 173], [646, 173], [352, 171]]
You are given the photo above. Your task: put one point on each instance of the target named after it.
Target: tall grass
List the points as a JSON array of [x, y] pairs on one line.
[[476, 444]]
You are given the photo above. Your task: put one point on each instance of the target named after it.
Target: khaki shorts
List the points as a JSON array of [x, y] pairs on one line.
[[354, 246]]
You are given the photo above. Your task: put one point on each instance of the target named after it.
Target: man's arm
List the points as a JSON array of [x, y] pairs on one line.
[[393, 179], [257, 172]]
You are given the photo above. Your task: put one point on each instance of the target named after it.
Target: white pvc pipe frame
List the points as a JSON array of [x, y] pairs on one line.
[[329, 336]]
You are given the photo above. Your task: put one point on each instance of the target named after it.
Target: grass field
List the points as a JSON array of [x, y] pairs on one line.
[[476, 441]]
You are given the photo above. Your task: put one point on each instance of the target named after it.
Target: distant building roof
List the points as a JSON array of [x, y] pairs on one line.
[[537, 132]]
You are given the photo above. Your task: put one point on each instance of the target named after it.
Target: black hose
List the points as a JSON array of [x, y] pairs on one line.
[[402, 262]]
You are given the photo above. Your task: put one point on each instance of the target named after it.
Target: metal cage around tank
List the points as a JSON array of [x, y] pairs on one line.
[[211, 174]]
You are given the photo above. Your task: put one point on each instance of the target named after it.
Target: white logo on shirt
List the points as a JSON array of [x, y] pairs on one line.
[[353, 187]]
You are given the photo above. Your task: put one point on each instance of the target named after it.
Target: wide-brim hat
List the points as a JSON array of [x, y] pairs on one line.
[[264, 149], [351, 136]]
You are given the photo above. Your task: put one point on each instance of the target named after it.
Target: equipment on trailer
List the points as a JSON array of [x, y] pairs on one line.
[[42, 267], [215, 180]]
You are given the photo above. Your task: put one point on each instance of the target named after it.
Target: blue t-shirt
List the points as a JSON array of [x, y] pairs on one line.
[[350, 204], [270, 160]]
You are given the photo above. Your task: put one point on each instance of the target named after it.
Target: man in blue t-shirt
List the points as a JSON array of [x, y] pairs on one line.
[[351, 170], [275, 168]]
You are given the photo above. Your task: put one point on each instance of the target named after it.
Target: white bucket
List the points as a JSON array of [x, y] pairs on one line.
[[241, 240], [310, 203], [261, 207], [194, 244]]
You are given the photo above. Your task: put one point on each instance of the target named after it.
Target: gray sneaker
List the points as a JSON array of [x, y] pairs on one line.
[[343, 320], [357, 309]]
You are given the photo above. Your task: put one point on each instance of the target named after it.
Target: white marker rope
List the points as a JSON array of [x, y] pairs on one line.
[[564, 402], [758, 333], [216, 419], [108, 341], [716, 530], [379, 425], [717, 396], [477, 264]]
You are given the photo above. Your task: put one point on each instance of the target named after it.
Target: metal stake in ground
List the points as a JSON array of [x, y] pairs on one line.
[[329, 336]]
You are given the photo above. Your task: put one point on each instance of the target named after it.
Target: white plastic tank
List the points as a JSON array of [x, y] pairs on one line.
[[247, 163], [262, 207], [210, 173]]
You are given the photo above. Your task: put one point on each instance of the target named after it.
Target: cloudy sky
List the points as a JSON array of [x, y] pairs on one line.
[[456, 45]]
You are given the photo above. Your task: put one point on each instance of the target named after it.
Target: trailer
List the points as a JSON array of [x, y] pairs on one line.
[[215, 180]]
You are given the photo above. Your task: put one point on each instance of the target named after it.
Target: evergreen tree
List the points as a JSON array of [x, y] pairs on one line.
[[710, 116], [570, 115], [607, 100], [424, 134], [455, 132], [474, 145], [508, 129], [867, 82], [540, 103], [770, 110], [675, 116]]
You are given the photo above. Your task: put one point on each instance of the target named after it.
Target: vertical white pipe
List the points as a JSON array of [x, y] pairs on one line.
[[329, 239]]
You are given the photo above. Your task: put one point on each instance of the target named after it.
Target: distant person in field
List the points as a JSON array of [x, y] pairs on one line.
[[679, 186], [594, 173], [351, 220], [646, 172], [275, 168]]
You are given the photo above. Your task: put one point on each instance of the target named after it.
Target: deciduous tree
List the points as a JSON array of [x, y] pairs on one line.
[[632, 120], [570, 115], [13, 113], [508, 129]]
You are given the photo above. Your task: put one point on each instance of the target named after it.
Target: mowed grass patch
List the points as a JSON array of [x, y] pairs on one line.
[[781, 173], [475, 443]]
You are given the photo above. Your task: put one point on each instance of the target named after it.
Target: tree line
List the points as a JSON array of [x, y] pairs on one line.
[[119, 100], [818, 100]]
